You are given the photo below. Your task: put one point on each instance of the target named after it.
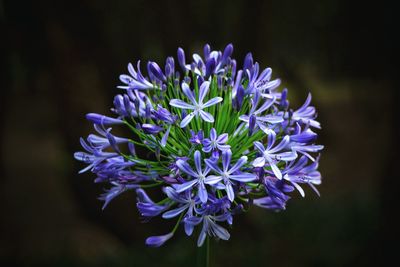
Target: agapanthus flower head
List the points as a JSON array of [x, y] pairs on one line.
[[222, 139]]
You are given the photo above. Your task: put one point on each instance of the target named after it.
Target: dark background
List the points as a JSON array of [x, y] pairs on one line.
[[62, 60]]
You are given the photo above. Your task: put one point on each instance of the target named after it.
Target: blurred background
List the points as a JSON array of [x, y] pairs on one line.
[[62, 60]]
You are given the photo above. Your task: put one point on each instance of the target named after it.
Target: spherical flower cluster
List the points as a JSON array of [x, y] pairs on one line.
[[220, 140]]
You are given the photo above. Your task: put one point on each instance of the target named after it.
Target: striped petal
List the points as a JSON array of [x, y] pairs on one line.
[[212, 179], [238, 164], [213, 165], [243, 177], [229, 191], [259, 162], [206, 116], [276, 171], [175, 212], [180, 104], [187, 120], [212, 102], [185, 186], [188, 92], [185, 167], [226, 159], [204, 87]]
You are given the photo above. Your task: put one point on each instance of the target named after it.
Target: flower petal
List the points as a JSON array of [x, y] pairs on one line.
[[223, 138], [185, 186], [180, 104], [213, 165], [213, 134], [286, 156], [223, 147], [243, 177], [202, 193], [156, 241], [188, 92], [197, 161], [220, 231], [259, 146], [189, 228], [212, 101], [276, 171], [212, 179], [259, 162], [165, 137], [172, 194], [187, 120], [202, 237], [206, 116], [185, 167], [285, 141], [175, 212], [229, 191], [204, 87], [238, 164], [226, 159]]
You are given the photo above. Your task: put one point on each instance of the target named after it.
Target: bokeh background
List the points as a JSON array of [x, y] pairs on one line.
[[62, 59]]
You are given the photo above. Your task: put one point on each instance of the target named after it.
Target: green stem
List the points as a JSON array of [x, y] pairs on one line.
[[208, 251], [177, 222]]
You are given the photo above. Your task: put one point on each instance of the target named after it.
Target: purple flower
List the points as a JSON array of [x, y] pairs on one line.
[[244, 168], [115, 191], [181, 59], [170, 67], [105, 140], [146, 206], [261, 83], [185, 203], [151, 129], [156, 72], [277, 190], [93, 157], [269, 203], [164, 115], [272, 155], [227, 174], [198, 177], [157, 241], [298, 172], [136, 81], [210, 227], [196, 106], [305, 149], [196, 138], [256, 118], [248, 62], [306, 114], [305, 135], [102, 120], [215, 142]]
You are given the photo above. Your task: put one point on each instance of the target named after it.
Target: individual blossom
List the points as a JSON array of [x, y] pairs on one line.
[[135, 81], [228, 174], [257, 118], [196, 105], [196, 138], [186, 204], [215, 142], [272, 155], [306, 114], [197, 176], [210, 221]]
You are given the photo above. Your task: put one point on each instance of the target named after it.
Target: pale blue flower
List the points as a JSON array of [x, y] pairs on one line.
[[196, 105]]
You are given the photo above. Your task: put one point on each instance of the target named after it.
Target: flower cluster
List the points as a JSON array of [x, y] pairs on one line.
[[220, 140]]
